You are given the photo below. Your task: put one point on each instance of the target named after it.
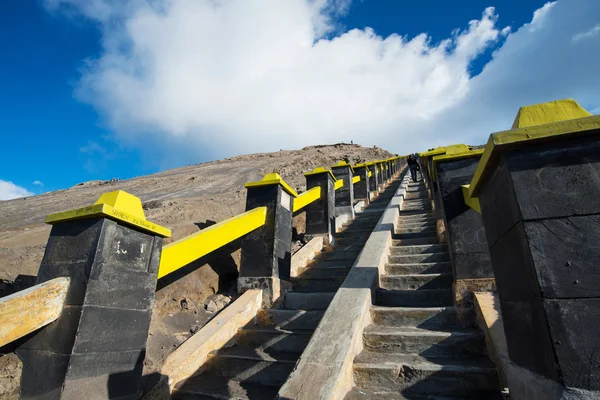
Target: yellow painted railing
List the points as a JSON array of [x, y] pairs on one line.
[[306, 198], [356, 179], [183, 251]]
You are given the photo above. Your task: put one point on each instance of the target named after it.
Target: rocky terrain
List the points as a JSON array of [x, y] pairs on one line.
[[185, 200]]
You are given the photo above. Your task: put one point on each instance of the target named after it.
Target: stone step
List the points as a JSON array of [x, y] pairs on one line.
[[418, 258], [405, 219], [307, 301], [318, 264], [415, 374], [366, 394], [374, 208], [418, 249], [415, 208], [250, 365], [402, 229], [418, 268], [415, 213], [415, 241], [424, 342], [416, 281], [288, 319], [431, 224], [329, 272], [271, 339], [415, 235], [362, 235], [311, 285], [350, 241], [414, 298], [205, 387], [421, 317], [338, 254]]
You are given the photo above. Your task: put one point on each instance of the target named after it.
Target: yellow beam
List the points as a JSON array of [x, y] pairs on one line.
[[472, 202], [118, 205], [338, 184], [306, 198], [355, 179], [28, 310], [183, 251]]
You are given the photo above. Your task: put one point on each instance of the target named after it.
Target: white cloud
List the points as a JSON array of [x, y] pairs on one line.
[[9, 190], [38, 183], [237, 76], [586, 35]]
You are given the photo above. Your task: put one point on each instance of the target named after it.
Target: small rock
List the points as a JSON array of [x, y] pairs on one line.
[[211, 307], [194, 329]]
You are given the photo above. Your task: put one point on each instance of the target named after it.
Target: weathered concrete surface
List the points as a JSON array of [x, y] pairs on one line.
[[521, 382], [30, 309], [301, 258], [325, 368], [191, 355], [542, 217]]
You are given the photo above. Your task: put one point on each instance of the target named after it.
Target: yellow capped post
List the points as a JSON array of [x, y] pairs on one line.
[[118, 205]]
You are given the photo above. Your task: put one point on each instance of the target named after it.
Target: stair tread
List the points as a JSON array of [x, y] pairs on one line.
[[369, 394], [422, 276], [258, 355], [373, 359], [205, 386], [273, 329], [415, 331]]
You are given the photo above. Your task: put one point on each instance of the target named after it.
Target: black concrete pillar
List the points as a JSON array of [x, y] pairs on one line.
[[344, 196], [361, 188], [96, 348], [467, 244], [373, 179], [320, 214], [540, 203], [267, 251]]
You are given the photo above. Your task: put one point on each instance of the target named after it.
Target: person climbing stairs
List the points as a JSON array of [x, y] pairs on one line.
[[414, 348]]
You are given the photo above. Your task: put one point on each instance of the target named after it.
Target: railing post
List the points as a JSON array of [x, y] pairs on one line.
[[374, 179], [320, 214], [467, 244], [96, 348], [344, 196], [361, 188], [267, 251], [539, 195]]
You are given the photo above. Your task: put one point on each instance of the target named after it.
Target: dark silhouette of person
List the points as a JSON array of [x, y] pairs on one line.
[[413, 166]]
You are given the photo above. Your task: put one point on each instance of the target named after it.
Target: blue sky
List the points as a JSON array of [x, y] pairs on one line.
[[95, 90]]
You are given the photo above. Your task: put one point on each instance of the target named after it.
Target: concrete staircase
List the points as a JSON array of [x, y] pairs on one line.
[[414, 348], [262, 355]]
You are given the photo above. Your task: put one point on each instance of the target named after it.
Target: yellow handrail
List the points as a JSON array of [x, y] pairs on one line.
[[355, 179], [183, 251], [338, 184], [306, 198]]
